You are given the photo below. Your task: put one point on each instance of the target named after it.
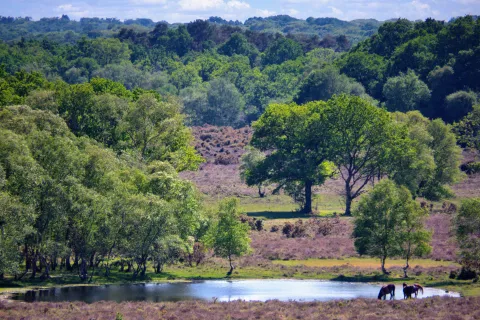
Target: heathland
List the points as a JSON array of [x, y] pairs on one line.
[[138, 151]]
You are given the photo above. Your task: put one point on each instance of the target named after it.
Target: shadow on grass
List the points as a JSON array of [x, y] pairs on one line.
[[279, 215]]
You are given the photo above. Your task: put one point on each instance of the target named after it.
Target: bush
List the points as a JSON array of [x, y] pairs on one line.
[[275, 228], [287, 229], [471, 167], [297, 230], [467, 274], [449, 207], [259, 225]]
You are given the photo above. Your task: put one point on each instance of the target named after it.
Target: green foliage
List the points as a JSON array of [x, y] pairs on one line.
[[406, 92], [229, 236], [468, 231], [281, 50], [361, 139], [63, 195], [325, 83], [467, 130], [389, 223], [459, 104]]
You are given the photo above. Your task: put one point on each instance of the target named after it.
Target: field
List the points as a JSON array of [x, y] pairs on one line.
[[431, 308]]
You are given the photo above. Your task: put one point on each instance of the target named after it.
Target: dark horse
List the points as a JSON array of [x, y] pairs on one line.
[[388, 289], [417, 288], [408, 291]]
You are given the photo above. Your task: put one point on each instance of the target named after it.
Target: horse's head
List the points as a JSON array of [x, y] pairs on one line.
[[404, 284]]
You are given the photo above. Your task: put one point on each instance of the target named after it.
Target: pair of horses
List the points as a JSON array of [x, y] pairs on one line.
[[408, 291]]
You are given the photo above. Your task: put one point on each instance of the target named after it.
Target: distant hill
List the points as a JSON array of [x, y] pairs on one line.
[[63, 29]]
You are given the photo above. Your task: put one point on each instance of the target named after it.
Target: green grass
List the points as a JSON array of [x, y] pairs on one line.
[[365, 263]]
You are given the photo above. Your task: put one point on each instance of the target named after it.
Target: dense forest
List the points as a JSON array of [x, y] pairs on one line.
[[95, 116]]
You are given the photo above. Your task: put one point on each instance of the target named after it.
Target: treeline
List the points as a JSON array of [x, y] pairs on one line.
[[62, 29], [204, 63], [69, 202], [429, 66]]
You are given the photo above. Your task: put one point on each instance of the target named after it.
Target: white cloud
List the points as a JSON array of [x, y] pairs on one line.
[[264, 13], [337, 12], [200, 5], [148, 2], [235, 4]]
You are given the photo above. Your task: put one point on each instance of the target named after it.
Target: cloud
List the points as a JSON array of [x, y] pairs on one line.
[[235, 4], [148, 2], [200, 5]]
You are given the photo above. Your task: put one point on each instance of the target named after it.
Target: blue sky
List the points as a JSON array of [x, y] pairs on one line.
[[188, 10]]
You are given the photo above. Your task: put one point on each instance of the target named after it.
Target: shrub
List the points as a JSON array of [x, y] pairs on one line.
[[467, 274], [449, 207], [471, 167], [259, 225], [287, 229], [275, 228], [297, 230]]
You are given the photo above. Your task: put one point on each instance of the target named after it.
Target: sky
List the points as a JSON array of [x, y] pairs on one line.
[[189, 10]]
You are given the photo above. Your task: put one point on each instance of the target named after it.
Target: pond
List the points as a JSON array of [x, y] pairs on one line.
[[223, 290]]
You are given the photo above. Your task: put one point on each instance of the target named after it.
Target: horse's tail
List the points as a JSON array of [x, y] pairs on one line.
[[420, 287]]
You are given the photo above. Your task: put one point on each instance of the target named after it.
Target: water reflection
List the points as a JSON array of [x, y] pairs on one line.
[[249, 290]]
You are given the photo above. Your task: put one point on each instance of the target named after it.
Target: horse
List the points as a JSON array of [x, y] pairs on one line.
[[388, 289], [417, 288], [408, 291]]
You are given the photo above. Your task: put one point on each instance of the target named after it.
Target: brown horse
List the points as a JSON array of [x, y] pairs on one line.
[[417, 288], [388, 289], [408, 291]]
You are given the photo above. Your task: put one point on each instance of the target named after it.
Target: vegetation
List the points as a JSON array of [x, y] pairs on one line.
[[389, 223], [229, 236], [468, 230], [97, 161]]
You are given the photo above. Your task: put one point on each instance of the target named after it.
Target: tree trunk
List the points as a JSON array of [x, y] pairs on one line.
[[308, 197], [46, 273], [385, 272], [68, 265], [83, 273], [261, 193], [229, 273], [2, 276], [348, 199], [34, 266], [405, 275]]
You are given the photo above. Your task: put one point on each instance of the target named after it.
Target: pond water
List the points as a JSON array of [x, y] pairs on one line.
[[249, 290]]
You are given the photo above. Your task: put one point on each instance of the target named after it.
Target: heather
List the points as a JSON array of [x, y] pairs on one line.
[[431, 308]]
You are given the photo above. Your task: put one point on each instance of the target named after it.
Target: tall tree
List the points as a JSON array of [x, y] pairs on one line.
[[229, 236], [406, 92], [360, 140], [297, 140], [379, 218], [468, 233]]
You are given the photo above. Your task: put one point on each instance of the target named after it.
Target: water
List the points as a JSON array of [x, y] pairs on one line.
[[249, 290]]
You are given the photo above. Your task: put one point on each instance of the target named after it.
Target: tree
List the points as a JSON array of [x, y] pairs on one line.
[[156, 131], [468, 233], [360, 140], [249, 161], [406, 92], [325, 83], [368, 69], [229, 236], [458, 105], [281, 50], [298, 141], [467, 130], [16, 220], [415, 238], [378, 228], [225, 104]]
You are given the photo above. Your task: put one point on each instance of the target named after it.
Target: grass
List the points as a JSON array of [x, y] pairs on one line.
[[365, 263]]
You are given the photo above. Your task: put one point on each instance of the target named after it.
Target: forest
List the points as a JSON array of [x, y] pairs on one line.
[[106, 125]]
